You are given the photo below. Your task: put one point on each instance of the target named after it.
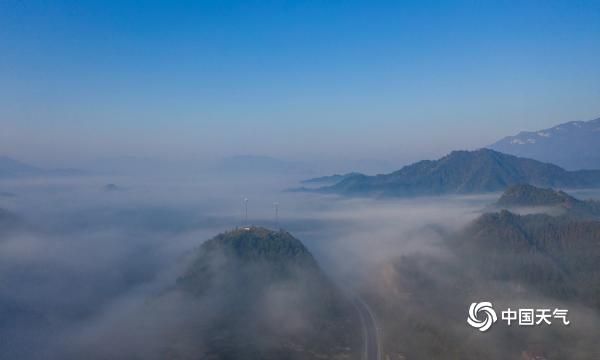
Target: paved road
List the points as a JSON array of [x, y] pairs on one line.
[[372, 349]]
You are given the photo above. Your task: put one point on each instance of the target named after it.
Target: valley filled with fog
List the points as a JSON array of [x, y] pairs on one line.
[[81, 260], [77, 255]]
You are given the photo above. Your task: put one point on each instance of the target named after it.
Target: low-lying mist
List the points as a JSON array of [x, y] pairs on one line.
[[80, 260]]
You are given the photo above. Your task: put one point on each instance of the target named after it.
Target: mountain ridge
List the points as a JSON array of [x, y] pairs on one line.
[[11, 168], [464, 172], [524, 195], [573, 145]]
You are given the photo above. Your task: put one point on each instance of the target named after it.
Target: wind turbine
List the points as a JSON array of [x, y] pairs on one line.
[[246, 211], [276, 207]]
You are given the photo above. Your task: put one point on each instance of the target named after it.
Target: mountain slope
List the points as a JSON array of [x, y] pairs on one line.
[[556, 255], [573, 145], [509, 259], [530, 196], [464, 172], [274, 300]]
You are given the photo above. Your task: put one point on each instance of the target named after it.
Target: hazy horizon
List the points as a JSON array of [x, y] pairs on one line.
[[334, 82]]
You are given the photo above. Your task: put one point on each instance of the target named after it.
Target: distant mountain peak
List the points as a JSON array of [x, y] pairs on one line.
[[10, 168], [8, 164], [464, 172], [572, 145]]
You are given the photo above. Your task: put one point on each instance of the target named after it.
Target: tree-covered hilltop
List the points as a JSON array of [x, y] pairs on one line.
[[464, 172], [279, 251], [558, 256], [524, 195], [512, 260], [272, 301], [529, 195]]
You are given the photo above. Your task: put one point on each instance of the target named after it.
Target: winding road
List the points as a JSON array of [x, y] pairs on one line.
[[372, 348]]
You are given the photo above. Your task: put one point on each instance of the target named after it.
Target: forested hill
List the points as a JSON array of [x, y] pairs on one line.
[[464, 172], [271, 298], [530, 196], [556, 255]]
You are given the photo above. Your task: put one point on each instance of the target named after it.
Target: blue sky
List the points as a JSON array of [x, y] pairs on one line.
[[397, 80]]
